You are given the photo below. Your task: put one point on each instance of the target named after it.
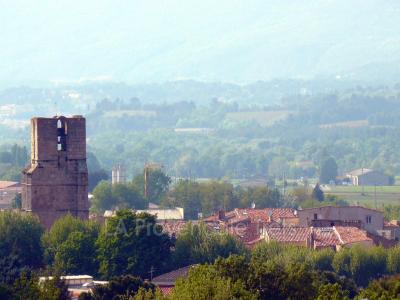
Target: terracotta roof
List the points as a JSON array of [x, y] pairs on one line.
[[288, 234], [166, 290], [325, 237], [248, 233], [359, 172], [215, 217], [7, 184], [264, 214], [170, 277], [351, 234], [255, 215], [339, 207], [320, 236]]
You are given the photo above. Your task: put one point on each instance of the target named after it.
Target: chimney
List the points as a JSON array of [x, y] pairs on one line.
[[221, 215]]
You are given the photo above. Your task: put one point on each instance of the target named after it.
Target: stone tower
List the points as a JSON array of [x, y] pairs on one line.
[[55, 182]]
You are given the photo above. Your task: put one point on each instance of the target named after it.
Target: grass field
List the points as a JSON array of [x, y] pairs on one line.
[[264, 118], [366, 195], [130, 113], [348, 124]]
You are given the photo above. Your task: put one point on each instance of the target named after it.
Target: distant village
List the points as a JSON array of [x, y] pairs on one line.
[[55, 184]]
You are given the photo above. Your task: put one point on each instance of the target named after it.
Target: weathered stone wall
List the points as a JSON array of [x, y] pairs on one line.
[[55, 183]]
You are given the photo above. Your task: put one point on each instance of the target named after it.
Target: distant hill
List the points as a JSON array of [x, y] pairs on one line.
[[230, 41]]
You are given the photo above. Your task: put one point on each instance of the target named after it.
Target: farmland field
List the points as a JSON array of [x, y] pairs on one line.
[[130, 113], [263, 118], [366, 195], [348, 124]]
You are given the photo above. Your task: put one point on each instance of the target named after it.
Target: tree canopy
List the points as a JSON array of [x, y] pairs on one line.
[[20, 244], [132, 243]]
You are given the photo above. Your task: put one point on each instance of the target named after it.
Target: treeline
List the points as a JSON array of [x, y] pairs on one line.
[[195, 197], [133, 247], [130, 244], [244, 148], [273, 271], [202, 198], [12, 160]]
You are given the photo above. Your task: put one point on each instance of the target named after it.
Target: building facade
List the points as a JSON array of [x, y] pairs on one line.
[[368, 219], [365, 176], [118, 175], [55, 182]]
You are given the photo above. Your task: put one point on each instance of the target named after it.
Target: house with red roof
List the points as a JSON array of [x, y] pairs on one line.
[[166, 282], [335, 237], [247, 223]]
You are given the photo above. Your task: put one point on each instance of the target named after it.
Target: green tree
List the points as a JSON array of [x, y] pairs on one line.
[[186, 194], [102, 197], [317, 193], [28, 287], [217, 195], [393, 260], [198, 244], [262, 197], [77, 254], [70, 245], [332, 292], [322, 259], [133, 244], [276, 280], [20, 246], [204, 282], [121, 287], [383, 289], [236, 267], [121, 195], [127, 196], [157, 185], [328, 170]]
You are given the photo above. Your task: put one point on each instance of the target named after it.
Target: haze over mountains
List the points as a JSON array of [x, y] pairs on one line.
[[233, 41]]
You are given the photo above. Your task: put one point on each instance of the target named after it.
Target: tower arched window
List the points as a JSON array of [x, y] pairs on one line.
[[61, 135]]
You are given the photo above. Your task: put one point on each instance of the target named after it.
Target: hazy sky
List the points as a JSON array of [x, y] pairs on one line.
[[138, 41]]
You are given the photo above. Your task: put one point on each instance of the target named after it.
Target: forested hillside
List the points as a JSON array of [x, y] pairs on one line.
[[194, 129]]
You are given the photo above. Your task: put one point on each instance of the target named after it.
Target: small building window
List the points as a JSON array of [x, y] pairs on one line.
[[368, 219], [315, 216]]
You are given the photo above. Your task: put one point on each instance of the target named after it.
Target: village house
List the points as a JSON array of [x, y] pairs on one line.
[[166, 282], [334, 237], [365, 176], [371, 220], [162, 214], [77, 284], [246, 223]]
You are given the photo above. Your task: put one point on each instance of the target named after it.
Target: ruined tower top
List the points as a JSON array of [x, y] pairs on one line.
[[52, 137], [55, 182]]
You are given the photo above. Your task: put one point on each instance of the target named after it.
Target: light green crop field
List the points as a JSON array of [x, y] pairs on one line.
[[367, 195], [130, 113], [264, 118]]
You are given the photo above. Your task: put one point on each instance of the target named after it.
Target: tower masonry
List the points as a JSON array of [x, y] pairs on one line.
[[55, 183]]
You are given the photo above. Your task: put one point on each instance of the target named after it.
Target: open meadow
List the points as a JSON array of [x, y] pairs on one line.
[[367, 195]]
